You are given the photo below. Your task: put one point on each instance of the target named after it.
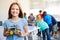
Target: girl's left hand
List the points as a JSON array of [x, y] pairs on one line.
[[19, 33]]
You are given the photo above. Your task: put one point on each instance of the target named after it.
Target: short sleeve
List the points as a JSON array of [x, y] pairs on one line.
[[25, 23], [4, 25]]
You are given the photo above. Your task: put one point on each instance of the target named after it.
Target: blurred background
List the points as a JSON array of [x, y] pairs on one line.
[[28, 6], [31, 6]]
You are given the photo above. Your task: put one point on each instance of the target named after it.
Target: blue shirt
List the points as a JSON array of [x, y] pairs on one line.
[[48, 19], [43, 25], [21, 23], [25, 17]]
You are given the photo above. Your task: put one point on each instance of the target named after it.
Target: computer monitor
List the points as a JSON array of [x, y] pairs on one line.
[[0, 23]]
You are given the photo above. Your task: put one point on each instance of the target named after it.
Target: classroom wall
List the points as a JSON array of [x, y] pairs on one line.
[[4, 5]]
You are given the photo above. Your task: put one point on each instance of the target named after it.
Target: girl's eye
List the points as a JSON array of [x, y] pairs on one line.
[[14, 9], [17, 9]]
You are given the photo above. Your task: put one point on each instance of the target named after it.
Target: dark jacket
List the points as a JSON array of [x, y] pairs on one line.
[[53, 21]]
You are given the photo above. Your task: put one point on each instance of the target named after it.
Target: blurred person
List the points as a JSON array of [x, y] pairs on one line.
[[40, 13], [48, 19], [44, 28], [55, 27], [25, 16], [31, 19]]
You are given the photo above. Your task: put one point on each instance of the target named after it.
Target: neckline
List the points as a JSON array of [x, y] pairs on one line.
[[15, 21]]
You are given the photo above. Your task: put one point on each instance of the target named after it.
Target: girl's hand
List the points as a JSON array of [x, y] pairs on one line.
[[19, 33], [6, 32]]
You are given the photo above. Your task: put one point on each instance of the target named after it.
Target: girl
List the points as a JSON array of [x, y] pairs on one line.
[[43, 27], [15, 19]]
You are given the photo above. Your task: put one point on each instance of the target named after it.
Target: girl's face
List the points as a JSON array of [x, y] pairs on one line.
[[15, 10]]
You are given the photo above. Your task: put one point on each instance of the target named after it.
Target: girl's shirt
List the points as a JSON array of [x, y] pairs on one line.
[[20, 24], [43, 25]]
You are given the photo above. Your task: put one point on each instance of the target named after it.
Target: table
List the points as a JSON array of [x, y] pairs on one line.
[[33, 30]]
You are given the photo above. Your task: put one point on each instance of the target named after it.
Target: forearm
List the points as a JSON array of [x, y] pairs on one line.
[[25, 34]]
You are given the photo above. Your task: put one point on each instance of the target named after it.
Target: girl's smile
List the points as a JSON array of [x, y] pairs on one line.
[[15, 10]]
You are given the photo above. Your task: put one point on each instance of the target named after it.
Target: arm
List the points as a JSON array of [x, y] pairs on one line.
[[26, 31]]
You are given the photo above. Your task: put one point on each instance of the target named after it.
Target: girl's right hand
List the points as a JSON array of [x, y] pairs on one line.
[[6, 32]]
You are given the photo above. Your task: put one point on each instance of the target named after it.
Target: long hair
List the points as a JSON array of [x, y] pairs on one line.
[[20, 11]]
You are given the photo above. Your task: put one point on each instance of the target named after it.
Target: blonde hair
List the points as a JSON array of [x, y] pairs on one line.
[[38, 18]]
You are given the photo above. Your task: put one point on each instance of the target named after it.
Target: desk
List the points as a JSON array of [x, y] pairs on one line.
[[33, 30]]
